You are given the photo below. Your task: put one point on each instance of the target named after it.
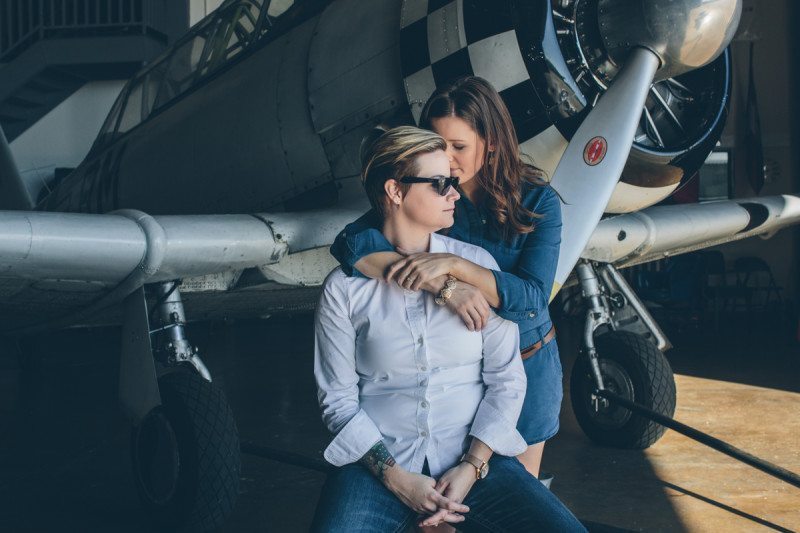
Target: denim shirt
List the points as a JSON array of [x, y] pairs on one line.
[[527, 262]]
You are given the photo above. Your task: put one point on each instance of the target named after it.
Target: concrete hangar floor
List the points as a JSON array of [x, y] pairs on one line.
[[64, 443]]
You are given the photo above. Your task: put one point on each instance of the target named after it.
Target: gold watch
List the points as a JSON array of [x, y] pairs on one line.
[[447, 290], [481, 466]]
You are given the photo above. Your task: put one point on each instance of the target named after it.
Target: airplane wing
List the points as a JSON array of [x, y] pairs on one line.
[[58, 269], [661, 231]]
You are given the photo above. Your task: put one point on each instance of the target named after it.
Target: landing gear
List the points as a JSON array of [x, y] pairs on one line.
[[625, 359], [184, 443], [635, 369], [185, 455]]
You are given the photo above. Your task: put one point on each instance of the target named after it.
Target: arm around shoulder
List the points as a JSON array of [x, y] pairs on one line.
[[359, 239]]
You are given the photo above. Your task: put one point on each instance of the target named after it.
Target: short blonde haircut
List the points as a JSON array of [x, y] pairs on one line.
[[392, 154]]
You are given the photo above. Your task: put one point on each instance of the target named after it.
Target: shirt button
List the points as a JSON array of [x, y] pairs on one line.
[[483, 221], [421, 340], [423, 368], [423, 433], [424, 405], [531, 314], [423, 382]]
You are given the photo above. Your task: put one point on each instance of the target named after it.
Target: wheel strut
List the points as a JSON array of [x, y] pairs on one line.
[[153, 342], [597, 314], [173, 347]]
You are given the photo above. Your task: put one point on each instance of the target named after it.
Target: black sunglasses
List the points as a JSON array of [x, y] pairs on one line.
[[442, 184]]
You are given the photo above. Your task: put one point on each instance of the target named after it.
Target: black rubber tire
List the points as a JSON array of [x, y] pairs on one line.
[[634, 368], [186, 457]]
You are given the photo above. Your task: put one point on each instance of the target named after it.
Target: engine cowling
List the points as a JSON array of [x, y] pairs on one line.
[[551, 63], [686, 110]]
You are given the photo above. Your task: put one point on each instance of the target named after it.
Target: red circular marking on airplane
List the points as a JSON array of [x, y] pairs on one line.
[[595, 151]]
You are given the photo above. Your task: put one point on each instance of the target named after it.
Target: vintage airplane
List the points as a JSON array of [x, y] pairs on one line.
[[227, 166]]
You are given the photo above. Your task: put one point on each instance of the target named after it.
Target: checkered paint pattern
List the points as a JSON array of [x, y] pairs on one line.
[[441, 40]]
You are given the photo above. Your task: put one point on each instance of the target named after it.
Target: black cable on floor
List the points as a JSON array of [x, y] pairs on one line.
[[704, 438], [282, 456]]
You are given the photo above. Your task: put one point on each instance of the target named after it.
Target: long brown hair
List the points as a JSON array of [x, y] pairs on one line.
[[503, 172]]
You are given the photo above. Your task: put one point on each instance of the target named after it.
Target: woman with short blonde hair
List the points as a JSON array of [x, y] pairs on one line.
[[423, 411]]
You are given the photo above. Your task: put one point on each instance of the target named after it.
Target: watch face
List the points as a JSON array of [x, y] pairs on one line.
[[484, 471]]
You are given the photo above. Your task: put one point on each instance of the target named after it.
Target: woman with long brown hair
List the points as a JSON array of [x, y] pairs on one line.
[[509, 210]]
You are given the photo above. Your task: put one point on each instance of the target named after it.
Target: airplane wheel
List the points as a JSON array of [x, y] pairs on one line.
[[186, 457], [635, 369]]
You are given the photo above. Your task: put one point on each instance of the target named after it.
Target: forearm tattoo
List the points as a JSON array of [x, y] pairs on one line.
[[378, 460]]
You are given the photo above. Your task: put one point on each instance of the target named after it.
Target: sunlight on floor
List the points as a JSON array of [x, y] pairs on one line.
[[710, 491]]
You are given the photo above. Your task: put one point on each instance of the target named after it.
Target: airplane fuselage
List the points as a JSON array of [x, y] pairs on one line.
[[277, 122]]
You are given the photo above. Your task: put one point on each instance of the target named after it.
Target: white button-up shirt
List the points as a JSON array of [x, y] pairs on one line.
[[392, 365]]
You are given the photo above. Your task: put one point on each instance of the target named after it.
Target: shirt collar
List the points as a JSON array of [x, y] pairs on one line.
[[437, 244]]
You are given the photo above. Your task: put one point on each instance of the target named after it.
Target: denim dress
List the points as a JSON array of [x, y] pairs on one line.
[[528, 264]]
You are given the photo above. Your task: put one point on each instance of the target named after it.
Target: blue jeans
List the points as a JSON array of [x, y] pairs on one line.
[[509, 499]]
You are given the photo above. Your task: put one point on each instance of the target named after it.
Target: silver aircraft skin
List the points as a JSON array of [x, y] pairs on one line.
[[230, 163], [248, 113]]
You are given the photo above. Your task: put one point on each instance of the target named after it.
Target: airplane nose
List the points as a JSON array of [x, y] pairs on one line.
[[684, 34]]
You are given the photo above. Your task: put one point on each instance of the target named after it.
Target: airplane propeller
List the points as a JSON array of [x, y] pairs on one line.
[[654, 39], [591, 166]]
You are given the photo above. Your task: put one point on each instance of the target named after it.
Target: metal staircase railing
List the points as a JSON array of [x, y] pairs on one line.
[[25, 22], [51, 48]]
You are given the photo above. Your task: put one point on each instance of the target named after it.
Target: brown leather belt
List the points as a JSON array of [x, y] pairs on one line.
[[531, 350]]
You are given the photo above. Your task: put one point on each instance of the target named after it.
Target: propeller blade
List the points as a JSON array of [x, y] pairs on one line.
[[592, 163]]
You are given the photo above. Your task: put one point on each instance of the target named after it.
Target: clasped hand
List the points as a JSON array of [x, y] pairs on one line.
[[440, 500], [416, 269], [427, 271]]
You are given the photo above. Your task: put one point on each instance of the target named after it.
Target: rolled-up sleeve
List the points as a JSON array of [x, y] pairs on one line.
[[526, 291], [359, 239], [337, 380], [495, 422], [354, 440]]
